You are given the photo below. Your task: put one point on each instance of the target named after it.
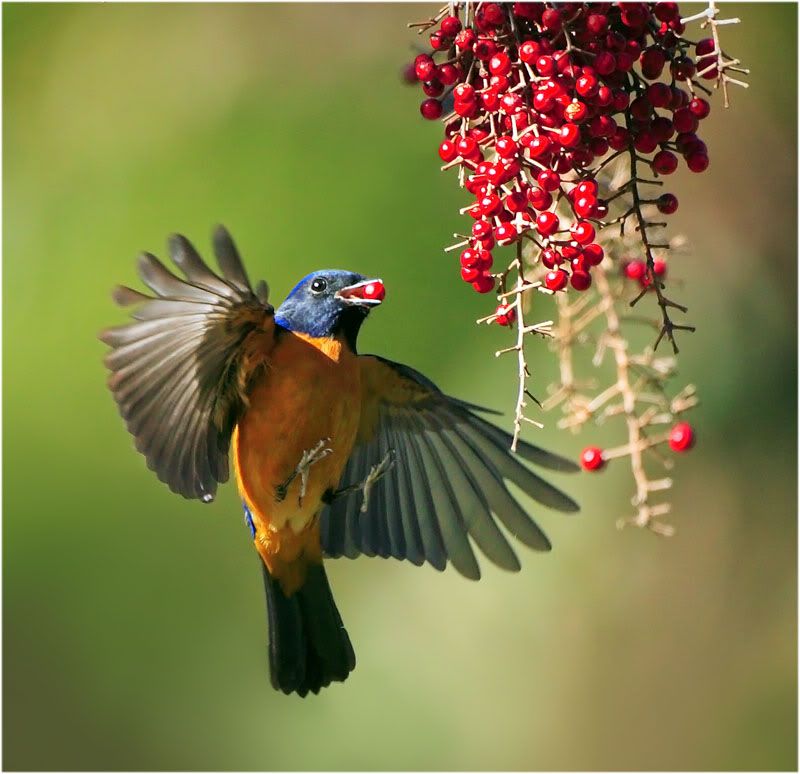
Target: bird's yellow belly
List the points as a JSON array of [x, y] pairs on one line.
[[310, 392]]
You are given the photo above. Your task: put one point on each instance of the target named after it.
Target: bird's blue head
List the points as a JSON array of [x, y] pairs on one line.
[[330, 303]]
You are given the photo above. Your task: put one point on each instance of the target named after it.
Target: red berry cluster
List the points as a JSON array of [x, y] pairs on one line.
[[542, 94]]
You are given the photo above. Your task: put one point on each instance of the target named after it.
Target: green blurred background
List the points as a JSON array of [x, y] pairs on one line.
[[134, 628]]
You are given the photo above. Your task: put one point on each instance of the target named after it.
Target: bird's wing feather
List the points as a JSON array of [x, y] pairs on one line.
[[448, 483], [179, 372]]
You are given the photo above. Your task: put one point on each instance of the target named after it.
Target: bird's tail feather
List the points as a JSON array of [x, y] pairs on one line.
[[308, 645]]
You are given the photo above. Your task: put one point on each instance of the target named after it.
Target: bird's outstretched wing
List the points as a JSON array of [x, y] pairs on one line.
[[179, 372], [447, 484]]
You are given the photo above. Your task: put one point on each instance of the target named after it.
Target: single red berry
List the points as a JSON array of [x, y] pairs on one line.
[[543, 102], [451, 26], [576, 112], [545, 65], [683, 68], [547, 223], [439, 41], [515, 201], [569, 135], [447, 150], [659, 267], [539, 198], [593, 254], [641, 108], [685, 121], [587, 85], [529, 52], [448, 74], [375, 291], [464, 92], [506, 147], [433, 88], [620, 139], [580, 280], [490, 100], [705, 46], [548, 179], [635, 270], [493, 14], [592, 458], [585, 206], [466, 146], [665, 162], [666, 12], [424, 67], [551, 258], [700, 107], [582, 232], [537, 146], [500, 64], [556, 280], [484, 49], [659, 95], [481, 229], [505, 234], [470, 258], [484, 283], [634, 15], [490, 204], [645, 141], [662, 128], [625, 61], [465, 39], [605, 63], [551, 20], [505, 314], [579, 265], [510, 103], [667, 203], [596, 24], [681, 437], [470, 273], [652, 61], [697, 162], [431, 109]]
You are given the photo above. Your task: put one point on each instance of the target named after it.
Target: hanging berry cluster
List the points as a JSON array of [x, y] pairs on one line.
[[558, 118]]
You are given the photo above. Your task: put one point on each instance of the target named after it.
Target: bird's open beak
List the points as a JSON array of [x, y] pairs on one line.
[[366, 293]]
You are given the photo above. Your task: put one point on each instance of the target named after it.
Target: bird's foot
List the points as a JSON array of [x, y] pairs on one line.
[[309, 458], [375, 474]]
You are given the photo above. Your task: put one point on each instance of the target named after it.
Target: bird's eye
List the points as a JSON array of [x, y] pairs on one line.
[[319, 285]]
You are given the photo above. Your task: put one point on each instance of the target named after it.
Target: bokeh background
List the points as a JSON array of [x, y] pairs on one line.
[[134, 628]]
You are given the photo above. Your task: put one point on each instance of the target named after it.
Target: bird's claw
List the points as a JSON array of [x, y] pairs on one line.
[[309, 458], [376, 473]]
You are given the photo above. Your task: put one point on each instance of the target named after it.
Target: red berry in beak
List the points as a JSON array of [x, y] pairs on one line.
[[375, 291]]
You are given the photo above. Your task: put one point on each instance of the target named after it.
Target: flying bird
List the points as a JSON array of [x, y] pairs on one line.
[[334, 453]]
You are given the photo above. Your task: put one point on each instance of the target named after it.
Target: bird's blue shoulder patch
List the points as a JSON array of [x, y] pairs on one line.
[[248, 520]]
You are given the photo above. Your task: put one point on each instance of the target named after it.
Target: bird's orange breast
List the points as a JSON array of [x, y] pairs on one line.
[[310, 392]]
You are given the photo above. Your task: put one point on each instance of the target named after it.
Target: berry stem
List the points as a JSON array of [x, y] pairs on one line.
[[668, 327], [637, 440]]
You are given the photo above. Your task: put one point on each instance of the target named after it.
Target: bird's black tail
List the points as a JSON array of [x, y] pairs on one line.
[[308, 644]]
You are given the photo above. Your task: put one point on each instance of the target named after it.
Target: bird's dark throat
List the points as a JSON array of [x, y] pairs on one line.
[[349, 324]]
